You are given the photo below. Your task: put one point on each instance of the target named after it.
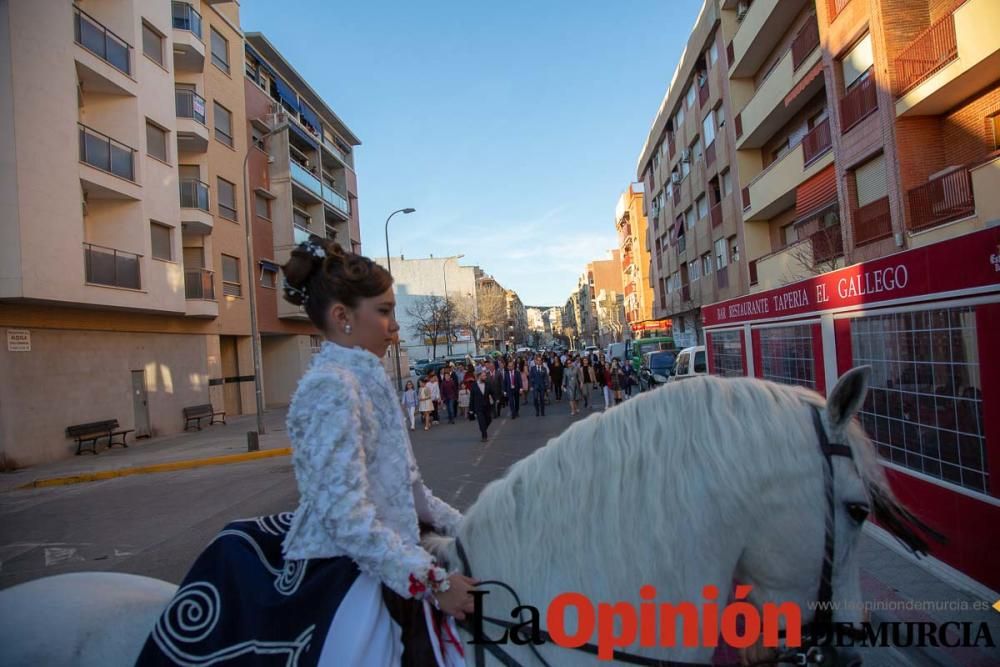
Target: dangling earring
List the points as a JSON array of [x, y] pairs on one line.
[[347, 329]]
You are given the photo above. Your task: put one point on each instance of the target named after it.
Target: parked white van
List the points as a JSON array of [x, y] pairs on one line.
[[691, 361]]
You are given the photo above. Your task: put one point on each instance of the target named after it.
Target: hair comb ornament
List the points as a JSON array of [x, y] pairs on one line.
[[313, 247], [292, 291]]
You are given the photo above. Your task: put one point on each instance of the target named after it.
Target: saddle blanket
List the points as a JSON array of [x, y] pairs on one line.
[[243, 604]]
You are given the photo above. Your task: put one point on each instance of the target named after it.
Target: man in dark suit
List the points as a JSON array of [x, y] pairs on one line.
[[538, 382], [512, 389], [495, 380], [480, 403]]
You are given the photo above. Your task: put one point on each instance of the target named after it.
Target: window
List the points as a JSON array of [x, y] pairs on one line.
[[692, 96], [713, 53], [315, 343], [706, 264], [708, 127], [789, 234], [156, 141], [870, 181], [720, 116], [262, 206], [702, 203], [721, 256], [231, 276], [679, 123], [727, 353], [160, 241], [727, 184], [152, 44], [223, 118], [857, 62], [787, 355], [268, 275], [686, 167], [690, 218], [693, 270], [220, 51], [226, 196], [994, 122], [734, 250], [257, 138], [924, 410], [696, 152]]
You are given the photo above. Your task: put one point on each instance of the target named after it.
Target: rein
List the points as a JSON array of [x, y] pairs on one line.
[[810, 653]]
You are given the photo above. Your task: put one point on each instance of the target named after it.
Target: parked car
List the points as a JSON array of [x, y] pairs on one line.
[[616, 351], [656, 369], [430, 367], [691, 362]]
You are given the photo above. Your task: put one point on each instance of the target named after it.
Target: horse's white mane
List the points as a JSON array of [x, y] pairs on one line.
[[692, 451]]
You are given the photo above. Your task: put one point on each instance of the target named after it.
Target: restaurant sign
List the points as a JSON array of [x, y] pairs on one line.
[[965, 262]]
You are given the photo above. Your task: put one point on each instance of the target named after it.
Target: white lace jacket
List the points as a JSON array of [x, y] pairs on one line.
[[360, 492]]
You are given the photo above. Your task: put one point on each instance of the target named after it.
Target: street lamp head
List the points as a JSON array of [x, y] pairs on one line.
[[409, 210]]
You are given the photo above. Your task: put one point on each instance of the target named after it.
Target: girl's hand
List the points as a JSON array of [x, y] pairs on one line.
[[457, 601]]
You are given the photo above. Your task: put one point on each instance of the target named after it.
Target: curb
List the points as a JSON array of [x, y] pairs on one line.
[[170, 466]]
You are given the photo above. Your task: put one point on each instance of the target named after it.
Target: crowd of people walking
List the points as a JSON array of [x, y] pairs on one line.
[[482, 389]]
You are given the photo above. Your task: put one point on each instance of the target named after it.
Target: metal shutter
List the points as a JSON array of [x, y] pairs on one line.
[[870, 179]]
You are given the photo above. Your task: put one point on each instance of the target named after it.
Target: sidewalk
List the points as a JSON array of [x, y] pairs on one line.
[[219, 440], [934, 595]]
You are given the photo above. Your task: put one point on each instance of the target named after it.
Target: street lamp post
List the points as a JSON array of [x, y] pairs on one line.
[[447, 310], [388, 261], [252, 283]]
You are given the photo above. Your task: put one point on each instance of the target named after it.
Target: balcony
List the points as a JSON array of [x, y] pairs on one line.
[[951, 60], [805, 42], [104, 60], [189, 39], [196, 216], [753, 40], [722, 277], [788, 264], [859, 102], [871, 222], [199, 293], [834, 7], [826, 244], [334, 150], [773, 103], [773, 190], [307, 182], [192, 133], [943, 199], [817, 142], [716, 215], [710, 155], [336, 200], [110, 267], [108, 166]]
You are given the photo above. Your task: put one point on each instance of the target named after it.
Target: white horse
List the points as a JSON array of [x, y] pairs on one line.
[[697, 483]]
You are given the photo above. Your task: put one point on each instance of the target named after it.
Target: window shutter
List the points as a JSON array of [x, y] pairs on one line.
[[858, 60], [870, 179]]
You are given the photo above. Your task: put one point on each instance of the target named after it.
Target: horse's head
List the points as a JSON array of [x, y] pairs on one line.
[[829, 482]]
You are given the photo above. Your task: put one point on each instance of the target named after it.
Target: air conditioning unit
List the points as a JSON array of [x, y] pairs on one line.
[[741, 10], [686, 155], [675, 177]]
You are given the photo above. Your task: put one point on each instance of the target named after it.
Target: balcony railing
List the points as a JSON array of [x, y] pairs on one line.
[[722, 277], [670, 146], [186, 17], [858, 102], [716, 215], [703, 93], [872, 222], [941, 200], [190, 104], [931, 50], [335, 199], [834, 7], [107, 266], [194, 194], [805, 42], [681, 243], [738, 125], [106, 45], [746, 197], [333, 148], [752, 266], [677, 193], [816, 142], [101, 151], [710, 154], [826, 244], [199, 284], [305, 178]]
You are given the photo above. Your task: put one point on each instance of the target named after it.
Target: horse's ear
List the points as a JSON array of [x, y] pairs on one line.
[[847, 396]]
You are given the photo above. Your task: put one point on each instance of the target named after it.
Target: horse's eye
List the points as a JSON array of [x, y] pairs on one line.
[[858, 512]]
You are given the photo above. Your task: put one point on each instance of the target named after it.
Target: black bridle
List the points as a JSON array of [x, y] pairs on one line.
[[809, 653]]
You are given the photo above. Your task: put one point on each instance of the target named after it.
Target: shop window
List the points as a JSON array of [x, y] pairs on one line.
[[787, 355], [727, 353], [924, 410]]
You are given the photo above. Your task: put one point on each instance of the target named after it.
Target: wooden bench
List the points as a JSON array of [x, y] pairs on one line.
[[92, 432], [196, 413]]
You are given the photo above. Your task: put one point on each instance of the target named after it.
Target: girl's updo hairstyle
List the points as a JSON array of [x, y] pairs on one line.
[[321, 273]]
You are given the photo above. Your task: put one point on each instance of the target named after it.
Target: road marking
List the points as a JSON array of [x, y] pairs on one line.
[[503, 422], [60, 555]]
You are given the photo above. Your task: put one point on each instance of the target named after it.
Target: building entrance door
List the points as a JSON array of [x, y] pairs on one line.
[[230, 374], [140, 404]]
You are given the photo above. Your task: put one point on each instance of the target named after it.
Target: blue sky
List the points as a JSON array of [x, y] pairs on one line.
[[512, 127]]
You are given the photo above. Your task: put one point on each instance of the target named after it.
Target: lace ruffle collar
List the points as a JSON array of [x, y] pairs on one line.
[[355, 357]]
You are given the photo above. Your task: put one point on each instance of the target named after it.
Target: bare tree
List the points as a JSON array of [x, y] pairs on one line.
[[491, 317], [816, 253], [429, 314]]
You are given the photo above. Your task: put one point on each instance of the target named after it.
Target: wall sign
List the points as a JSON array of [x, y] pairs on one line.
[[18, 340]]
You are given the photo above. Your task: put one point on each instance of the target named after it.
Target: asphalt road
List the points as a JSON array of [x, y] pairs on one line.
[[156, 525]]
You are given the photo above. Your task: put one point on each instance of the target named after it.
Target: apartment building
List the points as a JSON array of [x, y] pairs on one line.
[[123, 239], [688, 168], [868, 164], [631, 224], [594, 312], [302, 182]]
